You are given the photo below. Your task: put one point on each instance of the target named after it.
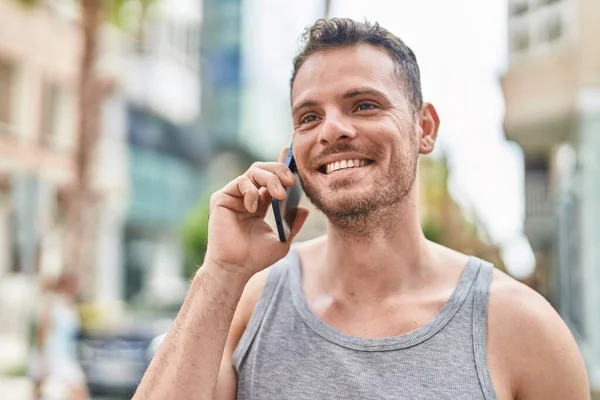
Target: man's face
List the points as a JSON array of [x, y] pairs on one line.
[[355, 134]]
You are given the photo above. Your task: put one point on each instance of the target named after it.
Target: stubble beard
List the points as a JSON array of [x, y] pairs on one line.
[[363, 215]]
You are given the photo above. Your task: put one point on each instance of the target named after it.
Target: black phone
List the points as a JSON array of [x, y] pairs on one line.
[[285, 211]]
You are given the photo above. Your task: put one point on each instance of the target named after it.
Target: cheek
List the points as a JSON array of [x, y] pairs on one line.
[[302, 149]]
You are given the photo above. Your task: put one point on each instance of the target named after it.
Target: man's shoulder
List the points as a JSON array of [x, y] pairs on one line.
[[521, 313], [516, 304], [527, 335]]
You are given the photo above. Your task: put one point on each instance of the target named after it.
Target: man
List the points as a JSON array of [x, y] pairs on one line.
[[372, 309]]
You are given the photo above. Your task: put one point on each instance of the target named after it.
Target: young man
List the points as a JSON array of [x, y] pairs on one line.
[[372, 309]]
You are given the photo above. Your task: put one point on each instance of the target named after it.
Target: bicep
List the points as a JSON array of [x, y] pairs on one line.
[[226, 387]]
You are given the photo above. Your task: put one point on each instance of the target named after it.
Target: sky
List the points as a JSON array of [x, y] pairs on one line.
[[461, 47]]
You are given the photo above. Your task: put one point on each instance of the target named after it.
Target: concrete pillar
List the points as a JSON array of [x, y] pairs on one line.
[[589, 141]]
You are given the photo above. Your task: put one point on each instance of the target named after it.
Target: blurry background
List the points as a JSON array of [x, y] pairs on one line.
[[119, 118]]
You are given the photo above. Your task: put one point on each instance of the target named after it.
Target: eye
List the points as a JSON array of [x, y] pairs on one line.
[[365, 106], [308, 118]]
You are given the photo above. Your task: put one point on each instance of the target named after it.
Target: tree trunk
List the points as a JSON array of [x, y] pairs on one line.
[[82, 198]]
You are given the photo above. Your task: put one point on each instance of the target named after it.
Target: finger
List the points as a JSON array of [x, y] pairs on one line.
[[283, 154], [224, 200], [301, 216], [284, 174], [263, 178], [250, 193], [233, 188], [264, 202]]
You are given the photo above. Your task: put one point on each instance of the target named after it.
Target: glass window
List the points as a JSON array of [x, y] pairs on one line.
[[548, 2], [520, 41], [554, 28], [519, 8]]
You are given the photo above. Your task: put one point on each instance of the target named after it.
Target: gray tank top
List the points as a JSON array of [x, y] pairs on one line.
[[287, 352]]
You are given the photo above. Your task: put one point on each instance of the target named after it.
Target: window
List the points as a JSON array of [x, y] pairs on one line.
[[519, 8], [548, 2], [6, 73], [520, 41], [554, 28], [549, 30], [50, 113]]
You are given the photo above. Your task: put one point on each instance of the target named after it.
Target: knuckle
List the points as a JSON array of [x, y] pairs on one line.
[[216, 199], [274, 179]]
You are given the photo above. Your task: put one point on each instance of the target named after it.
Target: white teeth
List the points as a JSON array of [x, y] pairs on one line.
[[335, 166]]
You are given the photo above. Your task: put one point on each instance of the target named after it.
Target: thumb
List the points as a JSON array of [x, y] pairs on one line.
[[301, 216]]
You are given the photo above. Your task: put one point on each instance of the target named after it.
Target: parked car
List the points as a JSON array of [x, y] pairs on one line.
[[114, 362]]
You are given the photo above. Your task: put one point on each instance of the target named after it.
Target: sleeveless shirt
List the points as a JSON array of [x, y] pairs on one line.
[[287, 352]]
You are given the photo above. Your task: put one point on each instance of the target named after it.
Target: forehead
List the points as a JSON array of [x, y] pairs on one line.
[[334, 71]]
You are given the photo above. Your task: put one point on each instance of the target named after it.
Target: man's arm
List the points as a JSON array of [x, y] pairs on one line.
[[187, 363], [241, 244], [538, 350]]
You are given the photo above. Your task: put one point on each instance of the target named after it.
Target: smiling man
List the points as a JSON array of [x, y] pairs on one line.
[[372, 309]]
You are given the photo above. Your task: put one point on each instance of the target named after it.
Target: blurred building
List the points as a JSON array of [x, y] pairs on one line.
[[38, 84], [552, 95], [38, 72], [40, 51], [167, 151]]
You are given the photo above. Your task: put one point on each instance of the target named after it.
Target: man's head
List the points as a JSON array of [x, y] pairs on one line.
[[357, 105], [342, 32]]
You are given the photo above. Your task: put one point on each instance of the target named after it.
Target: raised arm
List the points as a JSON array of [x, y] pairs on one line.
[[240, 244]]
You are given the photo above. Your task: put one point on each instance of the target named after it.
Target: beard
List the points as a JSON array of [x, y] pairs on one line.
[[363, 213]]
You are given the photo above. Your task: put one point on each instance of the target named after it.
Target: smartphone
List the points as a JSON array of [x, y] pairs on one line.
[[285, 211]]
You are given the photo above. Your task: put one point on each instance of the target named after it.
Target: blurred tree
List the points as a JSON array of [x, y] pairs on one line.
[[92, 90], [433, 231], [195, 237], [445, 222]]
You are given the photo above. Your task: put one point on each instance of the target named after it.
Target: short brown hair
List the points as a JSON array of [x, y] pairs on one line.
[[340, 32]]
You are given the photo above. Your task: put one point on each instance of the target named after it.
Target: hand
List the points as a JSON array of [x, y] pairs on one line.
[[239, 238]]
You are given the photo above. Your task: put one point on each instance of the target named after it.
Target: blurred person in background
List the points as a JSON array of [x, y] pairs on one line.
[[55, 367], [372, 309]]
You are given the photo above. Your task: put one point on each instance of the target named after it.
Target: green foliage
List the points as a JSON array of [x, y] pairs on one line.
[[28, 3], [433, 231], [122, 12], [195, 237]]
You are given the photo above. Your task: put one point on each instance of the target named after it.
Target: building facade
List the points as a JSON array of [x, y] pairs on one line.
[[168, 153], [40, 49], [552, 97]]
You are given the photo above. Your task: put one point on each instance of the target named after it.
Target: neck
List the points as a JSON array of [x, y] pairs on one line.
[[392, 257]]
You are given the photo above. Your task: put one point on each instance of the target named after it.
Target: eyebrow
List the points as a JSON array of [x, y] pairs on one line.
[[304, 104], [348, 95], [363, 91]]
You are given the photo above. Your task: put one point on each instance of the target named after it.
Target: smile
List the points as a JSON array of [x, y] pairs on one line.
[[344, 164]]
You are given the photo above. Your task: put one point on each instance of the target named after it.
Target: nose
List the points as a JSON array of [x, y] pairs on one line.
[[335, 128]]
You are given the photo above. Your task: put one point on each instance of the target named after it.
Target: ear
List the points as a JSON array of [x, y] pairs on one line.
[[429, 123]]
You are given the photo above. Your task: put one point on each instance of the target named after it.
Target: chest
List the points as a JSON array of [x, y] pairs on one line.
[[379, 320], [304, 365]]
